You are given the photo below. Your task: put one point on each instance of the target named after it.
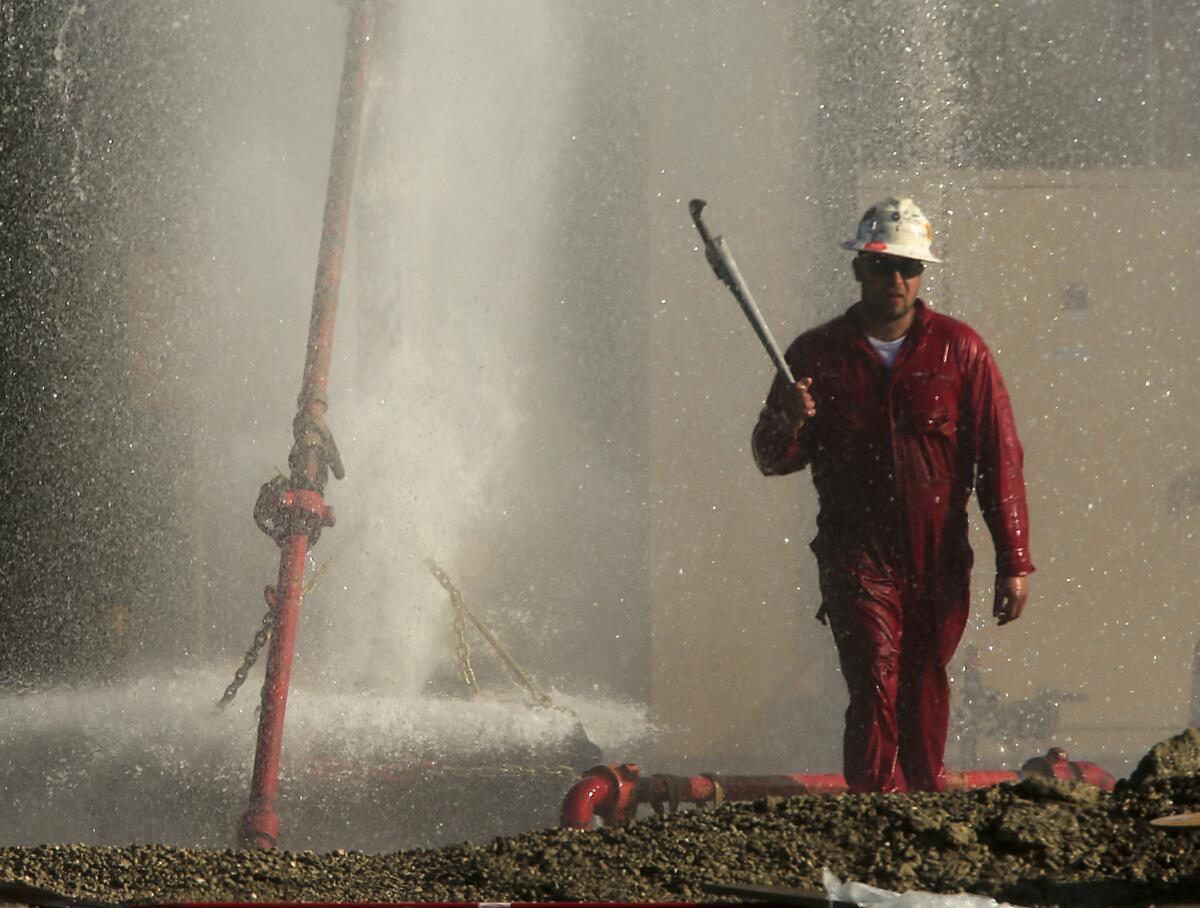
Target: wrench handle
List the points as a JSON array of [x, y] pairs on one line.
[[716, 250]]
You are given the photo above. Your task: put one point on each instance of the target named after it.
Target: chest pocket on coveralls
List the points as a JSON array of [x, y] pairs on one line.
[[927, 412]]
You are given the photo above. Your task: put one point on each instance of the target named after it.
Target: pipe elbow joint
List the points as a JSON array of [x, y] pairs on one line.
[[607, 792]]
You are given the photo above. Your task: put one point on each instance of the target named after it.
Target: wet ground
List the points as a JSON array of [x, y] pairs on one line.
[[1036, 842]]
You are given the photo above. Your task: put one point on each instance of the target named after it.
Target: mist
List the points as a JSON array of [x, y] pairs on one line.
[[539, 386]]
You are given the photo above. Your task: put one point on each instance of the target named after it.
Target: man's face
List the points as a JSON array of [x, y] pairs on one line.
[[889, 284]]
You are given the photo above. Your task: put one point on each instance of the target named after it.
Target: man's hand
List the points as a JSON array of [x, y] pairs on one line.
[[1011, 593], [798, 404]]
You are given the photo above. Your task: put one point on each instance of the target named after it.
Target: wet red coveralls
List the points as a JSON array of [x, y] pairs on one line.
[[894, 455]]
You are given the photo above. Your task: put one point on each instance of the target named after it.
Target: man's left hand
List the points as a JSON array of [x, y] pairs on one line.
[[1011, 593]]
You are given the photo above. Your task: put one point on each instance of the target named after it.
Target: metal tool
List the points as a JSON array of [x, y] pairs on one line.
[[716, 250]]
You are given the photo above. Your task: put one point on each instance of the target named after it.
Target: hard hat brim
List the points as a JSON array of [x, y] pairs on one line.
[[903, 252]]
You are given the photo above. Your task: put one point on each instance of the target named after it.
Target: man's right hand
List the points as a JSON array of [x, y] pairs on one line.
[[798, 404]]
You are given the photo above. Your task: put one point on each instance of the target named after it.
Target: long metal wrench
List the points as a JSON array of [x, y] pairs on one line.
[[717, 252]]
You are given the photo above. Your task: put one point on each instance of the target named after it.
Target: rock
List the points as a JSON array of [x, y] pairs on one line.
[[1025, 826], [1048, 788], [1177, 756], [958, 835]]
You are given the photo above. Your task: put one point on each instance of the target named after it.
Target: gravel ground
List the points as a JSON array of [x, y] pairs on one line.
[[1039, 841]]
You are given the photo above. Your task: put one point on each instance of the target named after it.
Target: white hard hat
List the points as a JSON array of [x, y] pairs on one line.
[[895, 227]]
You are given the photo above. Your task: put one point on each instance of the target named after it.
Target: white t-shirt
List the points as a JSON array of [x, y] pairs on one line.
[[887, 349]]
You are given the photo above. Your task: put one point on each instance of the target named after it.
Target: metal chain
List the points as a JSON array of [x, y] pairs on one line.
[[516, 674], [264, 633], [463, 650], [239, 676]]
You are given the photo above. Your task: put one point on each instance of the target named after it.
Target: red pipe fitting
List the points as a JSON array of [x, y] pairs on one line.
[[1057, 765], [310, 503], [607, 792]]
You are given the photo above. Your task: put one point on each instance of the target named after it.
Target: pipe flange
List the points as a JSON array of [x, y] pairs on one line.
[[718, 797]]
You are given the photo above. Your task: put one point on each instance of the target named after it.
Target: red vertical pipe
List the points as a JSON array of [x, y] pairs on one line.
[[260, 823], [337, 204]]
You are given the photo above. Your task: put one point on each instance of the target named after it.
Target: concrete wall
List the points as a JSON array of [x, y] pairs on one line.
[[1082, 284]]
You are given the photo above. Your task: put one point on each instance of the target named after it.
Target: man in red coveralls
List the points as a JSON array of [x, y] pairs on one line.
[[900, 413]]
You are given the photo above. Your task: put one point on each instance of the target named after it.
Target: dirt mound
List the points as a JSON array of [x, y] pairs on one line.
[[1176, 757], [1036, 842]]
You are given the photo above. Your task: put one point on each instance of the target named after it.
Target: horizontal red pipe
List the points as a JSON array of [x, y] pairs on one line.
[[613, 793], [701, 789], [980, 778]]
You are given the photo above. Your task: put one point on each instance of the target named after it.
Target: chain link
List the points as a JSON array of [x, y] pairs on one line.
[[462, 649], [516, 674], [260, 640], [264, 633]]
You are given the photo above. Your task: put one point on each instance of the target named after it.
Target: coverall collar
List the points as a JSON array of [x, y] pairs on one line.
[[911, 337]]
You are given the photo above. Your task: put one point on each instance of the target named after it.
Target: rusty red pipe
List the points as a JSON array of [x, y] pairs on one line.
[[338, 196], [980, 778], [614, 793], [260, 823], [664, 789], [304, 503]]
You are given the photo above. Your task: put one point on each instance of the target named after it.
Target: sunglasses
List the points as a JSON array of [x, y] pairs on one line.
[[884, 265]]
